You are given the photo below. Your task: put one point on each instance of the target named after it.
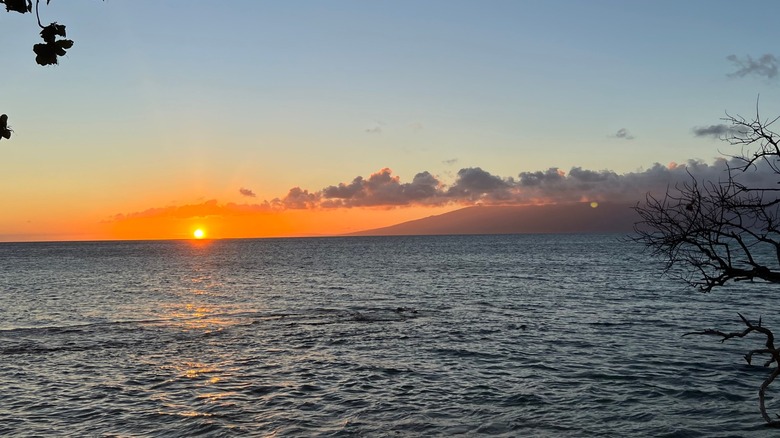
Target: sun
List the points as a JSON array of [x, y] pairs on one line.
[[199, 233]]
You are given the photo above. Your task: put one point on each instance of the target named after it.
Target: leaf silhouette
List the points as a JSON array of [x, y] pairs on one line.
[[5, 132], [20, 6]]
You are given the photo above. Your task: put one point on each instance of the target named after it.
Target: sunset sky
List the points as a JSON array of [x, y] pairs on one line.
[[268, 118]]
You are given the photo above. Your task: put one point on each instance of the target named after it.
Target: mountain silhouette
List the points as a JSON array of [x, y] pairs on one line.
[[553, 218]]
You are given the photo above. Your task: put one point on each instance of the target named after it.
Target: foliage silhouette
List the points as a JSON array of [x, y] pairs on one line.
[[5, 131], [48, 52], [714, 232]]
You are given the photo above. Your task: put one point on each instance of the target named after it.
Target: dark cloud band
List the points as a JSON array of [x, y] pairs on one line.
[[475, 186]]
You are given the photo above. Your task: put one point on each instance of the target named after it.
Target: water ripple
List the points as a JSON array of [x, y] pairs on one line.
[[448, 336]]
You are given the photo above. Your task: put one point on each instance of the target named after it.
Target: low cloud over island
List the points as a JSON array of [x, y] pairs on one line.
[[471, 186]]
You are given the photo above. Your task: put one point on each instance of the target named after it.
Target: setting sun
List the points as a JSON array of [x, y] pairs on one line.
[[199, 233]]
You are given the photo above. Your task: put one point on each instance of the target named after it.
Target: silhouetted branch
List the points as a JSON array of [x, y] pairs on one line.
[[770, 350], [714, 232], [37, 13], [725, 230]]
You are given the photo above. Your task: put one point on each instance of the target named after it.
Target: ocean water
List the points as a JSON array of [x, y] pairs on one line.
[[537, 335]]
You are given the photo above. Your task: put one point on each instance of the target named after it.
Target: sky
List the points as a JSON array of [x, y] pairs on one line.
[[268, 118]]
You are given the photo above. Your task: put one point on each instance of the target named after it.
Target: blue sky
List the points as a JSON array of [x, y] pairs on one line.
[[174, 101]]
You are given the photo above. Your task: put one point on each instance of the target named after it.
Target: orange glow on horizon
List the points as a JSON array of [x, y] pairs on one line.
[[229, 224], [229, 221]]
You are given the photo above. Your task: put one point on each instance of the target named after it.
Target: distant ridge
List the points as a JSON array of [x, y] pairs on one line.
[[553, 218]]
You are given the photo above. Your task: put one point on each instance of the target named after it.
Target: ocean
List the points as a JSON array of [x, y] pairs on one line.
[[512, 335]]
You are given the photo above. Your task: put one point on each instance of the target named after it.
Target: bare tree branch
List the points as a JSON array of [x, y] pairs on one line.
[[711, 233], [721, 230], [774, 357]]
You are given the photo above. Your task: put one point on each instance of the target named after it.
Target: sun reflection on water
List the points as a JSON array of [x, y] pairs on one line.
[[205, 384], [194, 370], [197, 304], [198, 317]]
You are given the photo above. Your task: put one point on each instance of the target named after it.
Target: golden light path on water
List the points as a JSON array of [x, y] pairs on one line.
[[199, 312]]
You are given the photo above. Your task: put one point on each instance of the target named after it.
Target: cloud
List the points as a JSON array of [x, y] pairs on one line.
[[382, 189], [765, 66], [297, 199], [549, 176], [719, 131], [417, 126], [204, 209], [450, 162], [473, 185], [247, 192], [376, 129], [623, 133]]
